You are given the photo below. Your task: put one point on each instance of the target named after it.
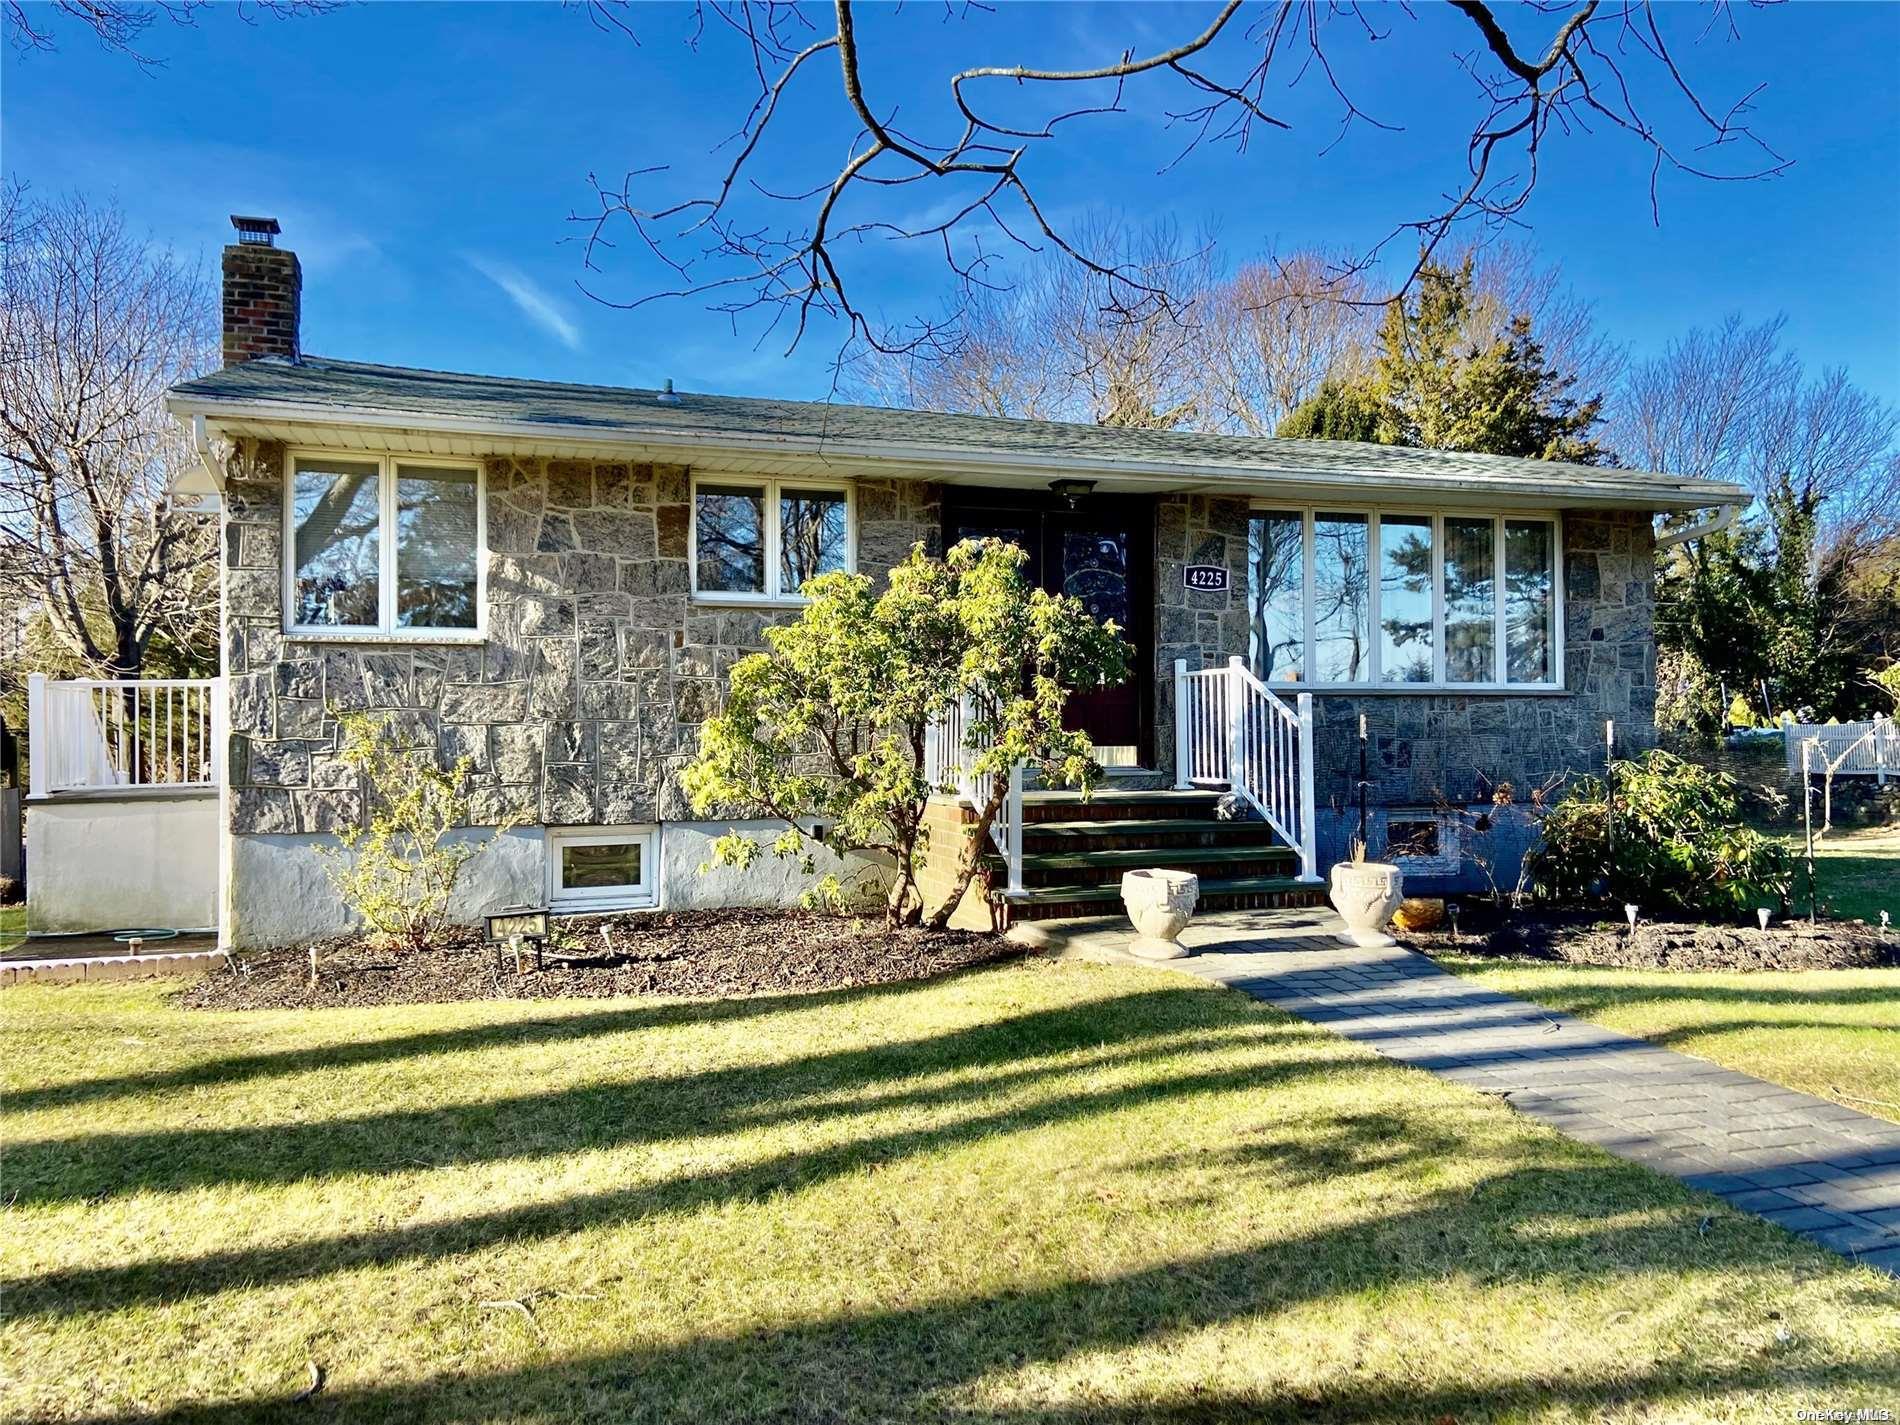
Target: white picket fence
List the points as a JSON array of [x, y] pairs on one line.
[[1232, 731], [1866, 749], [96, 734]]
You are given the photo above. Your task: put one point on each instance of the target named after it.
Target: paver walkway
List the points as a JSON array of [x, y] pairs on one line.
[[1830, 1173]]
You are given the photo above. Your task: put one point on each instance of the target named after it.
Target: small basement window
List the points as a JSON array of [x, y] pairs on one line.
[[598, 868], [1412, 839]]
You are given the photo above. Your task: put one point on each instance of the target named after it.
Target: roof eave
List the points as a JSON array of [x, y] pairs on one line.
[[1651, 492]]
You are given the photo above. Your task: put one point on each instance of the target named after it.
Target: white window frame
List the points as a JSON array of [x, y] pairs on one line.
[[1500, 653], [646, 896], [385, 627], [770, 488]]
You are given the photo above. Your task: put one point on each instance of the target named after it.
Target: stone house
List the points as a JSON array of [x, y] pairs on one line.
[[552, 580]]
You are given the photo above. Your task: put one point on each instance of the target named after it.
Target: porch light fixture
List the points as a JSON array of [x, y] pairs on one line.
[[1072, 491], [256, 232], [517, 927]]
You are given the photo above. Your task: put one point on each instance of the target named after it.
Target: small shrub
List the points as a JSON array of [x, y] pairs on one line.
[[398, 869], [1676, 842], [11, 891]]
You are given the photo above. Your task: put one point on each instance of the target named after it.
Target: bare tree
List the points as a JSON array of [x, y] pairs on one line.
[[1732, 401], [767, 239], [1279, 328], [1067, 342], [121, 25], [95, 324]]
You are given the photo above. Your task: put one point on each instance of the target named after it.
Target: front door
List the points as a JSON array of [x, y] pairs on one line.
[[1102, 552]]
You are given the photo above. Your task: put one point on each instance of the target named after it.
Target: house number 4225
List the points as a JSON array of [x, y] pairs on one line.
[[1212, 577]]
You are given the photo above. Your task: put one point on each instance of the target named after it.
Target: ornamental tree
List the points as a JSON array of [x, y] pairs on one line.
[[826, 732]]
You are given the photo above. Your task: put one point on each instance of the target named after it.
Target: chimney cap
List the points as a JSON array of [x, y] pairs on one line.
[[258, 231]]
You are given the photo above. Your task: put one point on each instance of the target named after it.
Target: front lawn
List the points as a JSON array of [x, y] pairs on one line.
[[12, 925], [1030, 1192], [1832, 1033], [1856, 870]]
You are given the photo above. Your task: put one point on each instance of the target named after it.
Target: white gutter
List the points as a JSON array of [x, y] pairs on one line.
[[1566, 489], [1715, 524]]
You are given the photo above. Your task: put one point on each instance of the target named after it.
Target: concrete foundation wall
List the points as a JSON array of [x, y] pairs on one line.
[[769, 881], [282, 893], [148, 862]]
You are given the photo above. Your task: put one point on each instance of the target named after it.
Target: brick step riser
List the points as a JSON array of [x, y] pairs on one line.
[[1034, 877], [1247, 900]]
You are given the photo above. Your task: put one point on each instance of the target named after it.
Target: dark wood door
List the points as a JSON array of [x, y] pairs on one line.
[[1102, 552]]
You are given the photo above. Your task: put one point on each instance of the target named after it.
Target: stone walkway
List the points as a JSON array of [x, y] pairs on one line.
[[1829, 1173]]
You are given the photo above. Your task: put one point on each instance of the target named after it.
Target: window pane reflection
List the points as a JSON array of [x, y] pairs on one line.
[[1470, 609], [1341, 599], [1405, 598], [1276, 587], [336, 511], [435, 547], [1529, 600], [730, 532]]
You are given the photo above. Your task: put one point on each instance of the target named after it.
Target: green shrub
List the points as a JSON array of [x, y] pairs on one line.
[[1676, 842], [398, 869]]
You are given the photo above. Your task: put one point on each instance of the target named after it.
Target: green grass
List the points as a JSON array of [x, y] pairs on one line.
[[12, 925], [1061, 1193], [1833, 1033], [1856, 871]]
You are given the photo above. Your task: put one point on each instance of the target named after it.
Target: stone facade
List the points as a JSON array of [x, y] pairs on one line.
[[1201, 626], [583, 702], [1424, 747]]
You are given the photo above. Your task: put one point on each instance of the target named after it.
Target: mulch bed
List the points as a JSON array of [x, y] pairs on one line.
[[710, 954], [1588, 938]]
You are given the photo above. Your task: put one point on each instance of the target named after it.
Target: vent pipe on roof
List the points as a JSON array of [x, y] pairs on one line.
[[666, 396]]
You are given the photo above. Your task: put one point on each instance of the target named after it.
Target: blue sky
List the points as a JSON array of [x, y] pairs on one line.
[[424, 159]]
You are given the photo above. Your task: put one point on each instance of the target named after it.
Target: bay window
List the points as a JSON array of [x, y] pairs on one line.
[[1385, 598], [382, 545], [760, 540]]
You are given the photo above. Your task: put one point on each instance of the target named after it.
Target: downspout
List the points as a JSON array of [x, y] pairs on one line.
[[1715, 524]]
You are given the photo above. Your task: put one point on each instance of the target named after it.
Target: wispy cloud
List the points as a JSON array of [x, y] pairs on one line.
[[534, 300]]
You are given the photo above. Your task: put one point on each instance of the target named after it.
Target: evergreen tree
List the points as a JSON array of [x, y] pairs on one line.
[[1434, 385], [1339, 410]]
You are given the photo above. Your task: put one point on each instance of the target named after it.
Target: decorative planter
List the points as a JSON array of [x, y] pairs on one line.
[[1160, 903], [1365, 893]]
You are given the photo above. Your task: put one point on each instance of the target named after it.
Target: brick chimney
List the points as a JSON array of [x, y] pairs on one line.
[[263, 293]]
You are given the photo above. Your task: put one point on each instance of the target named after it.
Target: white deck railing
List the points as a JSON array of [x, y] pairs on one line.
[[1232, 731], [1864, 748], [94, 734], [951, 748]]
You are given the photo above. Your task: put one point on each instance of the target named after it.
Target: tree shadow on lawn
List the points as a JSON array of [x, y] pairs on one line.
[[120, 1285], [636, 1110], [625, 1018], [1550, 1222]]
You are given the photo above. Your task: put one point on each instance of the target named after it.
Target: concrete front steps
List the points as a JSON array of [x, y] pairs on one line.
[[1075, 851]]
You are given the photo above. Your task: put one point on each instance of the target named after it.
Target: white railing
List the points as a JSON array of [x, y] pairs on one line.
[[1863, 748], [951, 749], [94, 734], [1232, 731]]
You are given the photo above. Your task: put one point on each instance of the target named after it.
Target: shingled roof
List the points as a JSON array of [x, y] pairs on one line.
[[320, 391]]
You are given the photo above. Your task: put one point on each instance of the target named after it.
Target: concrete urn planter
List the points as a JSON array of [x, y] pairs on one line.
[[1365, 893], [1160, 903]]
